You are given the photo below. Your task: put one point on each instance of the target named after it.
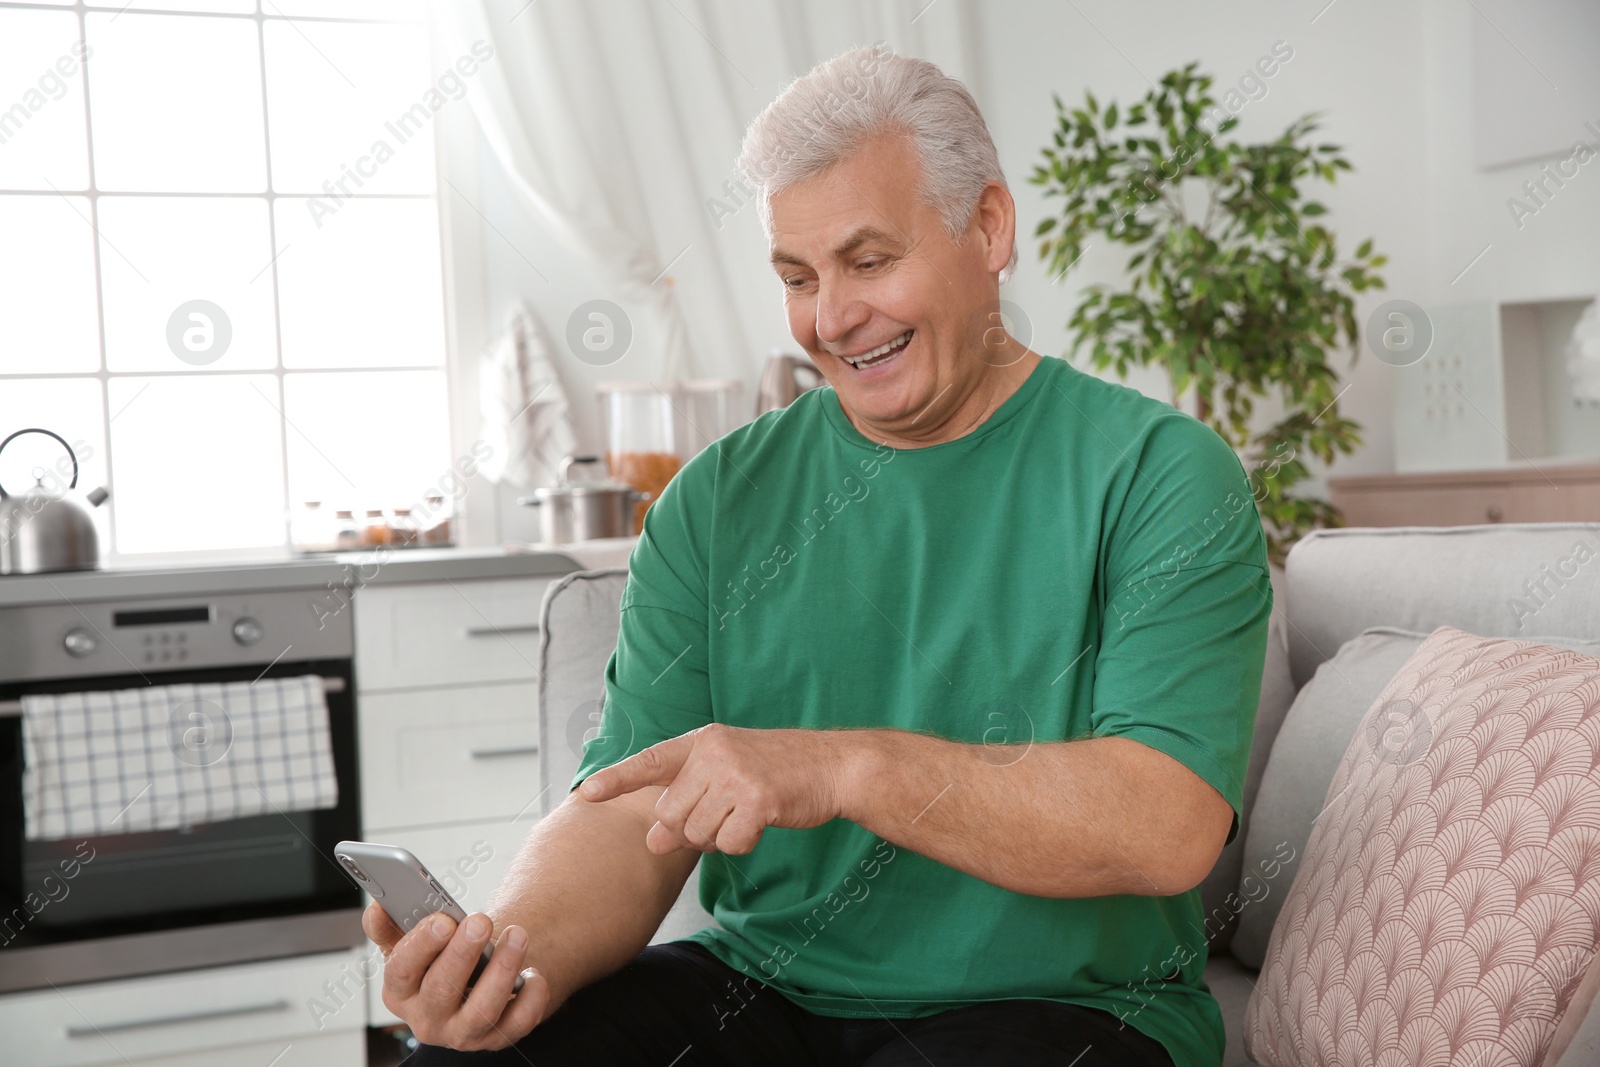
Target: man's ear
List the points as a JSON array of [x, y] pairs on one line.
[[996, 222]]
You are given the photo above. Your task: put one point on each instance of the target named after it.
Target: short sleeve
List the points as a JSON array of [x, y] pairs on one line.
[[657, 684], [1183, 632]]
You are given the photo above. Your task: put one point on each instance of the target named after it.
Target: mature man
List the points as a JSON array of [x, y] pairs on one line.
[[945, 675]]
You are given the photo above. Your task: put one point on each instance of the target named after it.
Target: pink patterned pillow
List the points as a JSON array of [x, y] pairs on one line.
[[1447, 909]]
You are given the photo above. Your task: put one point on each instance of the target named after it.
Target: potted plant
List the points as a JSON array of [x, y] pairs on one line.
[[1235, 285]]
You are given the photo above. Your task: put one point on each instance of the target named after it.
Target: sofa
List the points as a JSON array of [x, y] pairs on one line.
[[1363, 597]]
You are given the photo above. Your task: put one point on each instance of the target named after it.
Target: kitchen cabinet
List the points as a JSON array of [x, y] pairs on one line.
[[447, 633], [448, 708], [324, 1050], [456, 755], [310, 1005], [1548, 492]]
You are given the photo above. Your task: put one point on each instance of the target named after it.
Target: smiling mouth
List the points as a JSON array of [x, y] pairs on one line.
[[882, 354]]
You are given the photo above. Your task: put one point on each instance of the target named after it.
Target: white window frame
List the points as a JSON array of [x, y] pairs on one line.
[[449, 254]]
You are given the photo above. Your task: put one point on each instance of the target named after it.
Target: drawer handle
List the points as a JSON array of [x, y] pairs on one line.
[[496, 631], [496, 753], [1494, 513], [174, 1020]]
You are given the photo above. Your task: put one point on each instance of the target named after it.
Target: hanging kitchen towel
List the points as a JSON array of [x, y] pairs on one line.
[[524, 405], [165, 757]]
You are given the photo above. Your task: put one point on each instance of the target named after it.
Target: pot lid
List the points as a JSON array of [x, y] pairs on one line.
[[609, 485]]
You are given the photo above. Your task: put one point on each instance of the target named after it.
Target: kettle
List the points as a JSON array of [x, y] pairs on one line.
[[781, 381], [43, 531]]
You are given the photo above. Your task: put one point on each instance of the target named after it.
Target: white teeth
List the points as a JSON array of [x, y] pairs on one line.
[[887, 346]]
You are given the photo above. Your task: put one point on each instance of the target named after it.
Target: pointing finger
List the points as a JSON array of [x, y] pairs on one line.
[[656, 765]]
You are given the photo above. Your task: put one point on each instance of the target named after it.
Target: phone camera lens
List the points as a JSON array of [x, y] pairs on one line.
[[350, 865]]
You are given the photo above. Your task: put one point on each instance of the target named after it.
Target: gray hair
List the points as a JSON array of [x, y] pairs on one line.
[[837, 107]]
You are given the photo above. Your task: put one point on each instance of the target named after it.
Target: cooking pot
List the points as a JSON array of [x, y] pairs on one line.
[[584, 511], [42, 530]]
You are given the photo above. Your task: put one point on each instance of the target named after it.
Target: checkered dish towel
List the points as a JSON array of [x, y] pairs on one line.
[[166, 757]]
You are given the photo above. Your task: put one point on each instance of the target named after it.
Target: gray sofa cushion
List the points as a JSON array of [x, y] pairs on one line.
[[578, 623], [1231, 983], [1496, 581], [1305, 757], [1577, 1040], [1218, 893]]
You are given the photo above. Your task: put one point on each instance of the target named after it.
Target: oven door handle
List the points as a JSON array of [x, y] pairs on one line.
[[13, 708], [174, 1020]]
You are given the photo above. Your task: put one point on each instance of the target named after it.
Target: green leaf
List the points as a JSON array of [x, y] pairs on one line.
[[1045, 226]]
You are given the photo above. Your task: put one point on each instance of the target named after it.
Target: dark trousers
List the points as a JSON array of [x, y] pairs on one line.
[[677, 1005]]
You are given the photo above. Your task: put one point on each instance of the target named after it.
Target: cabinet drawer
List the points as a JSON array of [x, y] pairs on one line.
[[345, 1049], [450, 755], [469, 861], [160, 1017], [1563, 501], [1465, 505], [438, 633]]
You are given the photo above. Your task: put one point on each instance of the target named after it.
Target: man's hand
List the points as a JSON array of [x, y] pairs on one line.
[[427, 970], [727, 784]]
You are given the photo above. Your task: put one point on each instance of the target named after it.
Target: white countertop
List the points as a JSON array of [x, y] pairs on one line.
[[375, 565], [602, 554]]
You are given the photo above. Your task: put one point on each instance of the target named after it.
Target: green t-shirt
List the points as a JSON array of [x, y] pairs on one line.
[[1087, 562]]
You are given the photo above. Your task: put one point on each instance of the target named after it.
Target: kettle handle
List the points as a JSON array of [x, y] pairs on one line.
[[58, 437]]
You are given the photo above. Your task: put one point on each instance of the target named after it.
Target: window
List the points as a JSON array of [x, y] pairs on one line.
[[220, 267]]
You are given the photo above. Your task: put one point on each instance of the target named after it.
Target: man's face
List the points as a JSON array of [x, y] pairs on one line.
[[864, 263]]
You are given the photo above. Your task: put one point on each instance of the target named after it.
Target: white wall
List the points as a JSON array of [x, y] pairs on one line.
[[1555, 253], [1392, 80]]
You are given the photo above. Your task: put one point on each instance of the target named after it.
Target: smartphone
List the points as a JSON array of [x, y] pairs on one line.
[[404, 889]]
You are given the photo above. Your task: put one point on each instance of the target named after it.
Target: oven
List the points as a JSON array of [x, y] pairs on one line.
[[209, 894]]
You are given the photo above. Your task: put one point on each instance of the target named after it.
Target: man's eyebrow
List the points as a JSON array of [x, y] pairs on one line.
[[855, 240]]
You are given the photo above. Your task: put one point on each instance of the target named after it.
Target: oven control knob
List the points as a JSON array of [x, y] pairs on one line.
[[248, 631], [80, 642]]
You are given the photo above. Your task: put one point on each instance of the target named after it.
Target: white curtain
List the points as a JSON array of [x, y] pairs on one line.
[[619, 121]]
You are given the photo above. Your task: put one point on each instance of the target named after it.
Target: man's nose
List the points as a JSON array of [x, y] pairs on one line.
[[839, 310]]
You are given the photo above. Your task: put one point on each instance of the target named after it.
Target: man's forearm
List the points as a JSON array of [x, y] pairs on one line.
[[1085, 818], [587, 891]]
